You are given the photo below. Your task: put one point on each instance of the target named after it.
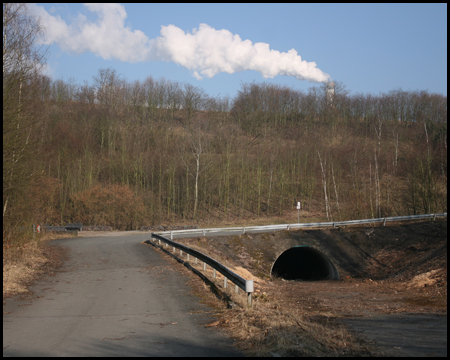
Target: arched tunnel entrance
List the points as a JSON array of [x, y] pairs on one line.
[[303, 262]]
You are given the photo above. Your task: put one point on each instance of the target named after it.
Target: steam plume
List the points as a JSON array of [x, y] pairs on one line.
[[205, 51]]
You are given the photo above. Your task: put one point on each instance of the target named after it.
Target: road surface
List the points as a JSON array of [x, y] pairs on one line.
[[113, 297]]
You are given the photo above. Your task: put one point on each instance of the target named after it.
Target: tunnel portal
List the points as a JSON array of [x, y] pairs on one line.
[[303, 262]]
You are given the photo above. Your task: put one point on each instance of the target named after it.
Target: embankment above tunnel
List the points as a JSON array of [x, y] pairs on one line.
[[382, 252]]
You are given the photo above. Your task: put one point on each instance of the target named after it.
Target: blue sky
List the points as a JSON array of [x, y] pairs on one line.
[[370, 48]]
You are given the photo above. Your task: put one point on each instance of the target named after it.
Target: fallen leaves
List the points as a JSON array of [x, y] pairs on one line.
[[215, 323]]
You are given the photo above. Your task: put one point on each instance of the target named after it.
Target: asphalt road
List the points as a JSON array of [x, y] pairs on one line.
[[405, 335], [113, 297]]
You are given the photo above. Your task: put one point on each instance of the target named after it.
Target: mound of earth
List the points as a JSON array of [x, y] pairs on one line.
[[384, 269], [398, 252]]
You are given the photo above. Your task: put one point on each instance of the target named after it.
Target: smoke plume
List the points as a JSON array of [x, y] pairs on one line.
[[205, 51]]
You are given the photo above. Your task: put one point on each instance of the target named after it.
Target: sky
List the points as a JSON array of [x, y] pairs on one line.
[[369, 48]]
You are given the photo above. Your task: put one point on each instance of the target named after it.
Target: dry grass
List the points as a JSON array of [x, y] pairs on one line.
[[25, 263], [270, 330]]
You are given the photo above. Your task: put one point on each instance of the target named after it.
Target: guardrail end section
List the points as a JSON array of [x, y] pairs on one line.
[[249, 286]]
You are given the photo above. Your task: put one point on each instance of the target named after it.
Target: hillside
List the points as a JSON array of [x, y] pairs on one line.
[[160, 153]]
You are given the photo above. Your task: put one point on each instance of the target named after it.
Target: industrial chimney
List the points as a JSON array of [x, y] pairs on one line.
[[330, 92]]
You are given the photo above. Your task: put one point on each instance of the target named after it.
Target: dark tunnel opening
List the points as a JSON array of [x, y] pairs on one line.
[[303, 262]]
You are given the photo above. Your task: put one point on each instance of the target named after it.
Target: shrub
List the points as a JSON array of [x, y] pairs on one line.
[[114, 205]]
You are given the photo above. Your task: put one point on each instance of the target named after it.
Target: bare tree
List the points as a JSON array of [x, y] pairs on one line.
[[193, 99], [174, 98], [23, 61], [324, 181], [336, 192], [198, 143], [85, 94], [109, 85]]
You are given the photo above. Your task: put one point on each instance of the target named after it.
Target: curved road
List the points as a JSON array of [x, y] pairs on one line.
[[113, 297]]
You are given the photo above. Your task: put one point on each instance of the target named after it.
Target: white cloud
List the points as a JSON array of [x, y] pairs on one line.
[[206, 51]]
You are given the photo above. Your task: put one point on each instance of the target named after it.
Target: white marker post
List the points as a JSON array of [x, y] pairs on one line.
[[298, 209]]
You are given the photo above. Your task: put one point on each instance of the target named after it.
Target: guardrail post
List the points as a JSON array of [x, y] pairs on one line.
[[249, 290], [434, 218], [171, 235], [159, 242], [384, 222], [224, 282], [236, 289], [204, 266], [214, 273], [181, 253], [204, 233], [334, 225], [173, 249], [188, 257]]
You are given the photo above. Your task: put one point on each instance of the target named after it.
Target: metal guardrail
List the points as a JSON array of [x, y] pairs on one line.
[[245, 229], [240, 282]]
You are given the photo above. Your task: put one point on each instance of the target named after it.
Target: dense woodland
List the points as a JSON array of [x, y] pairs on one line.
[[154, 151]]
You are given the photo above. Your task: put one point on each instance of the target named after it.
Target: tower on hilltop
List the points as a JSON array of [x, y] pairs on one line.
[[330, 92]]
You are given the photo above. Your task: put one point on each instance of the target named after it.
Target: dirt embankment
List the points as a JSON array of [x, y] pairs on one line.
[[388, 274], [397, 252], [391, 269]]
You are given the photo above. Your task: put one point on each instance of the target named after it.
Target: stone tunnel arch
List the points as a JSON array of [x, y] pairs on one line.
[[305, 263]]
